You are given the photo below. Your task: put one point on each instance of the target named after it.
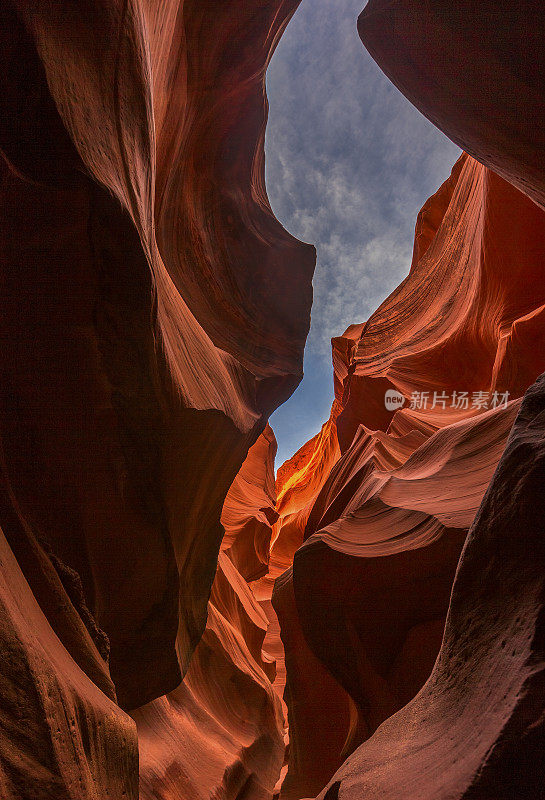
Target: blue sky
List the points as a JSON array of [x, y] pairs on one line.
[[349, 163]]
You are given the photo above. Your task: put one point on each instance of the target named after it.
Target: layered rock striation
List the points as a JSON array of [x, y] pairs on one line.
[[159, 590], [155, 313], [370, 585], [475, 730]]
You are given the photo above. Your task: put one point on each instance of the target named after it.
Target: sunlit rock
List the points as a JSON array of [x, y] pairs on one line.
[[476, 730], [383, 535], [221, 732], [249, 511]]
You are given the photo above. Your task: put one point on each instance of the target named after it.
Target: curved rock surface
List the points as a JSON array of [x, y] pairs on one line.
[[249, 511], [61, 733], [221, 732], [155, 314], [476, 729], [383, 535], [475, 70], [453, 324]]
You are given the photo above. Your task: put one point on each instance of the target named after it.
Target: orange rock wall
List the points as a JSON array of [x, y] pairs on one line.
[[385, 522], [155, 315], [152, 571]]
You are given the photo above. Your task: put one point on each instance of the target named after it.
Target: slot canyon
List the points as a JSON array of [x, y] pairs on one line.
[[181, 618]]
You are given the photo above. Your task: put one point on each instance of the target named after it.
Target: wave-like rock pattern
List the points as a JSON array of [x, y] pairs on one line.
[[155, 313], [249, 511], [476, 728], [382, 537], [221, 732]]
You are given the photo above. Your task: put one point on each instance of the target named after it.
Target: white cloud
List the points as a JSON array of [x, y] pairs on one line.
[[349, 164]]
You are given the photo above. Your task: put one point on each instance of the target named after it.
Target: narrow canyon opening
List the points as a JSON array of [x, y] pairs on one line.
[[314, 151], [166, 599], [367, 520]]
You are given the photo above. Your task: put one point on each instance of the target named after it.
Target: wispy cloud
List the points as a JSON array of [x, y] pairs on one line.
[[349, 164]]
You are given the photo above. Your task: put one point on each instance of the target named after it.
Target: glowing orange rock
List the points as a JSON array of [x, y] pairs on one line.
[[222, 730], [448, 326], [476, 727], [297, 484], [372, 580], [249, 513]]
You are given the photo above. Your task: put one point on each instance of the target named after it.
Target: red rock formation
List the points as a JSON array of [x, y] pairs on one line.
[[221, 732], [452, 323], [476, 728], [476, 70], [155, 314], [372, 580], [249, 513], [61, 733], [319, 709], [298, 482], [297, 485]]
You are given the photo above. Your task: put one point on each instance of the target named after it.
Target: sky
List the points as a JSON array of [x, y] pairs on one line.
[[349, 163]]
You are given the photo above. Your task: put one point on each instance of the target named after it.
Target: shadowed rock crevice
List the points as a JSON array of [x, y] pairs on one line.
[[154, 314], [490, 667]]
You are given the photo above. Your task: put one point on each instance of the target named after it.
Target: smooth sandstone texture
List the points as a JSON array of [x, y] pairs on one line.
[[385, 526], [60, 734], [454, 323], [154, 314], [221, 732], [249, 511], [476, 70], [476, 729]]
